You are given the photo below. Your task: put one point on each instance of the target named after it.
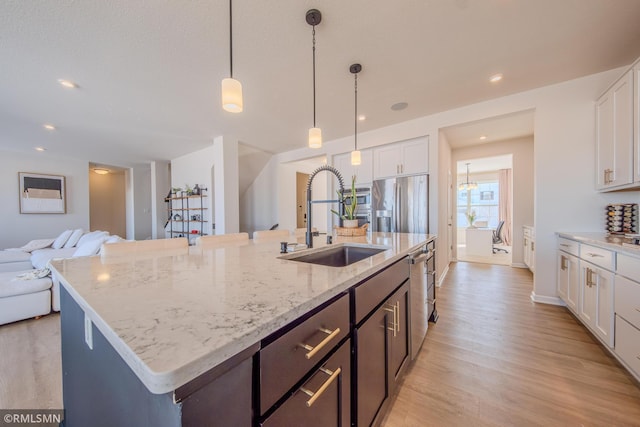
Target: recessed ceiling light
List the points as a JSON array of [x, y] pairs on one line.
[[101, 171], [40, 149], [362, 117], [483, 137], [496, 78], [399, 106], [48, 126], [67, 83]]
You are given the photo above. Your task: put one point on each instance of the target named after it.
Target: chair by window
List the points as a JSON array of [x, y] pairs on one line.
[[497, 238]]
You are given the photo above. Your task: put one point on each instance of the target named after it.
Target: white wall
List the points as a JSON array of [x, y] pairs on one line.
[[564, 160], [160, 186], [444, 207], [522, 151], [215, 167], [18, 228], [260, 201]]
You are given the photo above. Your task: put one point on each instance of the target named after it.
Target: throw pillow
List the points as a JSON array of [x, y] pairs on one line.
[[61, 239], [90, 236], [37, 244], [73, 239], [89, 248]]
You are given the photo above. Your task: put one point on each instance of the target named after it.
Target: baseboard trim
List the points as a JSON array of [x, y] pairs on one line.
[[519, 265], [546, 300], [442, 276]]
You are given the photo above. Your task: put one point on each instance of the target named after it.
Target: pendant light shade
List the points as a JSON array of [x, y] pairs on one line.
[[467, 185], [231, 88], [315, 138], [356, 158], [313, 18], [232, 95]]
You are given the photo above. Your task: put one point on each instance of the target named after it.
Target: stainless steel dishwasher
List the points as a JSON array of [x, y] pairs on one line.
[[422, 276]]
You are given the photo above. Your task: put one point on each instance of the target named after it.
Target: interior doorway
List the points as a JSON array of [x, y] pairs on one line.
[[484, 210], [107, 199]]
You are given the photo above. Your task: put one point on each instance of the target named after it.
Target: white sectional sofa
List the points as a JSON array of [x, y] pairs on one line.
[[23, 299]]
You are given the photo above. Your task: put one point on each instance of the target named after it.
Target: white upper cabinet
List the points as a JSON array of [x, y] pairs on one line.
[[404, 158], [363, 172], [615, 135]]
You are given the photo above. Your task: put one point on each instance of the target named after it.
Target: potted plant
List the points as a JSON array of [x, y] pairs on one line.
[[471, 217], [349, 218]]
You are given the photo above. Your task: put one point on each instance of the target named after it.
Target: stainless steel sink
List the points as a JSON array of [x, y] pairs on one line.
[[338, 256]]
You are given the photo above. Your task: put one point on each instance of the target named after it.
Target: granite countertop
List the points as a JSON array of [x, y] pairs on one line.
[[174, 315], [618, 243]]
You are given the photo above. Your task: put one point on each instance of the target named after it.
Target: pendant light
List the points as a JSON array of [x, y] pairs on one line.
[[313, 18], [231, 88], [355, 154], [467, 185]]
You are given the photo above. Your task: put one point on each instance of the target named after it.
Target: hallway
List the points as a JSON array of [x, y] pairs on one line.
[[496, 359]]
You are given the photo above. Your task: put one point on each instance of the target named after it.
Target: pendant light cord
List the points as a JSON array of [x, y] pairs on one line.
[[230, 40], [314, 75], [355, 116]]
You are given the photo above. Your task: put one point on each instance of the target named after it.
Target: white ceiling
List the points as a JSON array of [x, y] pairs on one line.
[[510, 126], [149, 71], [485, 164]]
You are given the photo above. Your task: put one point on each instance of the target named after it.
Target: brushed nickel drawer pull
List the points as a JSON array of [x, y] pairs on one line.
[[315, 395], [564, 245], [313, 350], [592, 255], [398, 317], [563, 262]]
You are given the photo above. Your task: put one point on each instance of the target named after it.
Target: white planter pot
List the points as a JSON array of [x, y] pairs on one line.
[[350, 223]]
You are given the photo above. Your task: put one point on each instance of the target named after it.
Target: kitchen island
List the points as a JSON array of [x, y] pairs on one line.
[[160, 338]]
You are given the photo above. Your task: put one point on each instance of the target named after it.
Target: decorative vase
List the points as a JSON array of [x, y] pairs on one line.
[[350, 223]]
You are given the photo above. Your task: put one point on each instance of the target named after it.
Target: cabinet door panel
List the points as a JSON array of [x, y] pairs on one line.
[[371, 364], [623, 130], [604, 140], [399, 342], [415, 157], [563, 276], [386, 161], [332, 407], [574, 283], [587, 306], [604, 306]]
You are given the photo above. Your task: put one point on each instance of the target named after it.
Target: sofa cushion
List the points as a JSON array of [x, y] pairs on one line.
[[61, 239], [90, 247], [10, 286], [90, 236], [36, 244], [14, 256], [73, 239], [41, 257]]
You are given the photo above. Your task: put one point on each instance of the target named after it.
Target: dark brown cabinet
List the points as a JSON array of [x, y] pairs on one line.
[[323, 400], [382, 346]]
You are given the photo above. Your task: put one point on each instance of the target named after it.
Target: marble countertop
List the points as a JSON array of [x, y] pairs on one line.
[[617, 243], [174, 315]]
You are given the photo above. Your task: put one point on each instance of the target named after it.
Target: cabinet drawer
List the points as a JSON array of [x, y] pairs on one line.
[[627, 297], [331, 386], [598, 256], [284, 361], [628, 267], [628, 344], [569, 246], [371, 293]]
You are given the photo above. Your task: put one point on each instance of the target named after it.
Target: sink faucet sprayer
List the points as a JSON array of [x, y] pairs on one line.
[[309, 236]]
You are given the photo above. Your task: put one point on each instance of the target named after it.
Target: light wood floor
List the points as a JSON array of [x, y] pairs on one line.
[[493, 359], [496, 359]]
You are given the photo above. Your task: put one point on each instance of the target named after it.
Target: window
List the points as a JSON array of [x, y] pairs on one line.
[[484, 201]]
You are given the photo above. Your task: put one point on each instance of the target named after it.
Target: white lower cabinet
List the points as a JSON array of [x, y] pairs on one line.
[[628, 344], [596, 302], [569, 280]]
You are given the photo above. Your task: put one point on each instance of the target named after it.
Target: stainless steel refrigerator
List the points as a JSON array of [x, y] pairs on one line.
[[401, 204]]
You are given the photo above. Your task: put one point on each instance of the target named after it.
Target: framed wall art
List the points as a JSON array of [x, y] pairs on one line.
[[41, 193]]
